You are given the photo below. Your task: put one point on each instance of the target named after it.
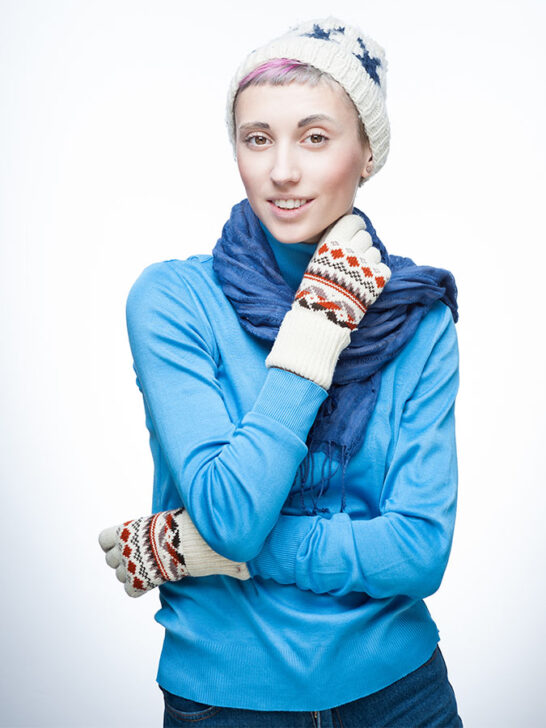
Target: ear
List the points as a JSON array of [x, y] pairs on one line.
[[368, 165]]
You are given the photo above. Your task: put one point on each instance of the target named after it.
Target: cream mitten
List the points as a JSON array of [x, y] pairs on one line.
[[165, 546], [342, 280]]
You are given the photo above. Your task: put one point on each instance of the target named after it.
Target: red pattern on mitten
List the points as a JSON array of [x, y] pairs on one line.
[[341, 284]]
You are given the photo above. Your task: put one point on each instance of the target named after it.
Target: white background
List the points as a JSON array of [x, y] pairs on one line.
[[114, 155]]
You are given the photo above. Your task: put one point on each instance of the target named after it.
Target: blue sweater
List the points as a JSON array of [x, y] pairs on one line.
[[334, 610]]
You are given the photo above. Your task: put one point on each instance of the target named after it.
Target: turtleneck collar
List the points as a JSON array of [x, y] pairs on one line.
[[292, 258]]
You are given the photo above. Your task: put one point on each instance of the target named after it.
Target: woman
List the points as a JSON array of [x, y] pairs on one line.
[[299, 387]]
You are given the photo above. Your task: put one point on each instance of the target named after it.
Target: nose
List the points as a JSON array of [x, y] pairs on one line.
[[285, 169]]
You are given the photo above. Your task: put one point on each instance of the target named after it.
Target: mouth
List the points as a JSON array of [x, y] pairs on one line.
[[289, 207]]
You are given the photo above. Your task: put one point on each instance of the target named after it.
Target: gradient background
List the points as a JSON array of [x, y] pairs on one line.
[[114, 155]]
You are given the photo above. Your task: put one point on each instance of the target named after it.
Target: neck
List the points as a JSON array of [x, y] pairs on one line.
[[292, 258]]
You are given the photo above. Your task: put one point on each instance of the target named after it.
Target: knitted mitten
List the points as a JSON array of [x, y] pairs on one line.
[[342, 280], [166, 546]]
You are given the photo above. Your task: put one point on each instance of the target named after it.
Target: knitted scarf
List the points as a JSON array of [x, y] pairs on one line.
[[250, 278]]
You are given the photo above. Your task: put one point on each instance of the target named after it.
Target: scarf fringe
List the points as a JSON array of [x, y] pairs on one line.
[[304, 479]]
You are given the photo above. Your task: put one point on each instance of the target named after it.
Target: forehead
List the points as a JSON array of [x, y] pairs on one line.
[[292, 102]]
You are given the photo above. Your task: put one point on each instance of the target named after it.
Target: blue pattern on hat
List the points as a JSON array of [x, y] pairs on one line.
[[323, 34], [369, 63]]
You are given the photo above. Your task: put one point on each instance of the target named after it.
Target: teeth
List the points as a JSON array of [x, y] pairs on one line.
[[289, 204]]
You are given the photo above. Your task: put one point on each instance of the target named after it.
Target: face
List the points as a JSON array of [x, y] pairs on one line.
[[299, 144]]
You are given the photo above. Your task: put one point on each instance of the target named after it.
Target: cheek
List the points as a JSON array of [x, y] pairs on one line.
[[249, 171], [341, 171]]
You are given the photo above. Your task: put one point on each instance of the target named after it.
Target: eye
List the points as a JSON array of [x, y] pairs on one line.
[[317, 138], [259, 139]]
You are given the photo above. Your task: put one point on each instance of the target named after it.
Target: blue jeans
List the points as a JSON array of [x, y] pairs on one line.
[[422, 698]]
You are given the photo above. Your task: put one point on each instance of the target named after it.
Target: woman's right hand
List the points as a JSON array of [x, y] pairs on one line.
[[166, 546], [344, 277]]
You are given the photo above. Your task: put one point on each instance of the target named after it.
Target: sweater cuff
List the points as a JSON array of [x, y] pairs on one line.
[[291, 400], [277, 559]]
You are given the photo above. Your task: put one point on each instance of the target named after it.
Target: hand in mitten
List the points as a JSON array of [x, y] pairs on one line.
[[342, 280], [165, 546]]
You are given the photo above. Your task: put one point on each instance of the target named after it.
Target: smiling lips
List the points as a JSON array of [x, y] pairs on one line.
[[289, 206]]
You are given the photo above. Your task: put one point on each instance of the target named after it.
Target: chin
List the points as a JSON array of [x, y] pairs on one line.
[[311, 239], [295, 239], [293, 234]]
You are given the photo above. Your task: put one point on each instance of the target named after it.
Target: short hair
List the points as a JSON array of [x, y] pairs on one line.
[[282, 71]]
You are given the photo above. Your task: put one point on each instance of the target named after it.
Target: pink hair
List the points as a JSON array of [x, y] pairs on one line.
[[271, 70]]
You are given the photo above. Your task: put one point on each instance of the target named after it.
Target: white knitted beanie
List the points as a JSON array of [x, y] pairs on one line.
[[353, 59]]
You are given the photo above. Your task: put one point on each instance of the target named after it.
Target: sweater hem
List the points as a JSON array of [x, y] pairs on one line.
[[212, 682]]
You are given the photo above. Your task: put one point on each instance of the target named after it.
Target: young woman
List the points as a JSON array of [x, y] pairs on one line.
[[299, 386]]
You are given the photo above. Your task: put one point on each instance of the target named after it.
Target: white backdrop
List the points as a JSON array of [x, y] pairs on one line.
[[114, 155]]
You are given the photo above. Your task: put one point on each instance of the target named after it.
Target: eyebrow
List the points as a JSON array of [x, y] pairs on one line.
[[302, 122]]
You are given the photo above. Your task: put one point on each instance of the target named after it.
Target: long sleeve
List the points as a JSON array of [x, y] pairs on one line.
[[405, 549], [233, 478]]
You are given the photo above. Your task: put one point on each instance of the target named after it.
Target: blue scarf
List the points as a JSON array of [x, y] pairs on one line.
[[250, 278]]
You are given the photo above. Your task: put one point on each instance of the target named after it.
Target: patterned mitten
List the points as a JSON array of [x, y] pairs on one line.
[[342, 280], [166, 546]]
